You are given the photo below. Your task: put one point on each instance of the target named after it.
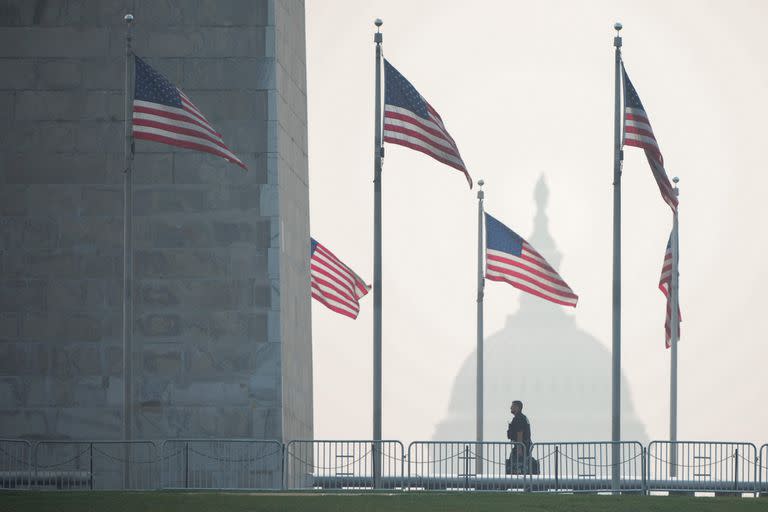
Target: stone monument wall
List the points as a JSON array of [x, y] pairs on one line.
[[222, 341]]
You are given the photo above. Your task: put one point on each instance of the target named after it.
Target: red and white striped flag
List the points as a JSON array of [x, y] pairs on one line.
[[410, 121], [162, 113], [333, 283], [510, 259], [638, 133], [665, 284]]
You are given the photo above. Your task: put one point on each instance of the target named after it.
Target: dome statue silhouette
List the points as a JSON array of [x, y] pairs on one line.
[[560, 372]]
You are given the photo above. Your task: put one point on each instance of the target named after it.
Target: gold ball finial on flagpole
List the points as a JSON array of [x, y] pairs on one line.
[[128, 18], [618, 26]]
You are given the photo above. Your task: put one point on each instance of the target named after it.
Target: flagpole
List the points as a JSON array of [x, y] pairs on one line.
[[480, 357], [616, 318], [674, 337], [377, 157], [127, 243]]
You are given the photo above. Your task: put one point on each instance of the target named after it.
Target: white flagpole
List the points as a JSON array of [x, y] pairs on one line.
[[674, 337], [377, 157], [616, 316], [127, 242], [480, 358]]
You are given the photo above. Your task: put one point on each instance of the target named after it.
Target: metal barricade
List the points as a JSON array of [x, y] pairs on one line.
[[348, 464], [588, 467], [221, 464], [709, 466], [762, 478], [466, 465], [15, 463], [102, 465]]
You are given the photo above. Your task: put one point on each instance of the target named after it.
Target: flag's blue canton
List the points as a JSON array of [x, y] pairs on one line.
[[153, 87], [499, 237], [400, 93], [631, 99], [313, 246]]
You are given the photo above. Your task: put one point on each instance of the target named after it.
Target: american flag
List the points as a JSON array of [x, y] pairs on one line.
[[638, 133], [409, 120], [665, 284], [509, 258], [333, 283], [162, 113]]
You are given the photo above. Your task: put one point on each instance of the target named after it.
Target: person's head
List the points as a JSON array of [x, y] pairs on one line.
[[516, 407]]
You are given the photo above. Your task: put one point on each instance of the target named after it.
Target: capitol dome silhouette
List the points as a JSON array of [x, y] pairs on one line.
[[560, 372]]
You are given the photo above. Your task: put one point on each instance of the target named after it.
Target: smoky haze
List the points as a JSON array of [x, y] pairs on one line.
[[526, 89]]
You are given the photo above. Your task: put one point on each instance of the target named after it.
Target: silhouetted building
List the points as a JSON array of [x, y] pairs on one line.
[[560, 372]]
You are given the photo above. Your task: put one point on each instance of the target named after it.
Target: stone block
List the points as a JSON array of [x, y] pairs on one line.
[[31, 137], [261, 298], [100, 136], [232, 13], [166, 12], [59, 74], [88, 232], [267, 423], [17, 74], [40, 263], [114, 392], [113, 356], [181, 233], [75, 360], [12, 357], [223, 74], [229, 42], [52, 201], [14, 14], [9, 326], [11, 392], [13, 200], [248, 262], [104, 73], [15, 230], [209, 392], [232, 327], [66, 42], [165, 41], [264, 390], [230, 105], [101, 201], [100, 263], [49, 105], [173, 263], [153, 168], [156, 200], [232, 422], [23, 295], [215, 295], [71, 12], [196, 168], [73, 327], [25, 423], [243, 137], [77, 294], [71, 422], [40, 167], [162, 359], [90, 391], [156, 390], [160, 325]]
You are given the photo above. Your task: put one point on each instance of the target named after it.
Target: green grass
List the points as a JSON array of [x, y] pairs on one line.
[[335, 502]]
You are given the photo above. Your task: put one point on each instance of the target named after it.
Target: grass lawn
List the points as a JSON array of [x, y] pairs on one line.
[[105, 501]]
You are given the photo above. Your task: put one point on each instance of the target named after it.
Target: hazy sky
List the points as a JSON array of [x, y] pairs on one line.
[[526, 88]]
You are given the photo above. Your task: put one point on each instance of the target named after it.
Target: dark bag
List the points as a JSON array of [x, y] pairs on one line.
[[516, 466]]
